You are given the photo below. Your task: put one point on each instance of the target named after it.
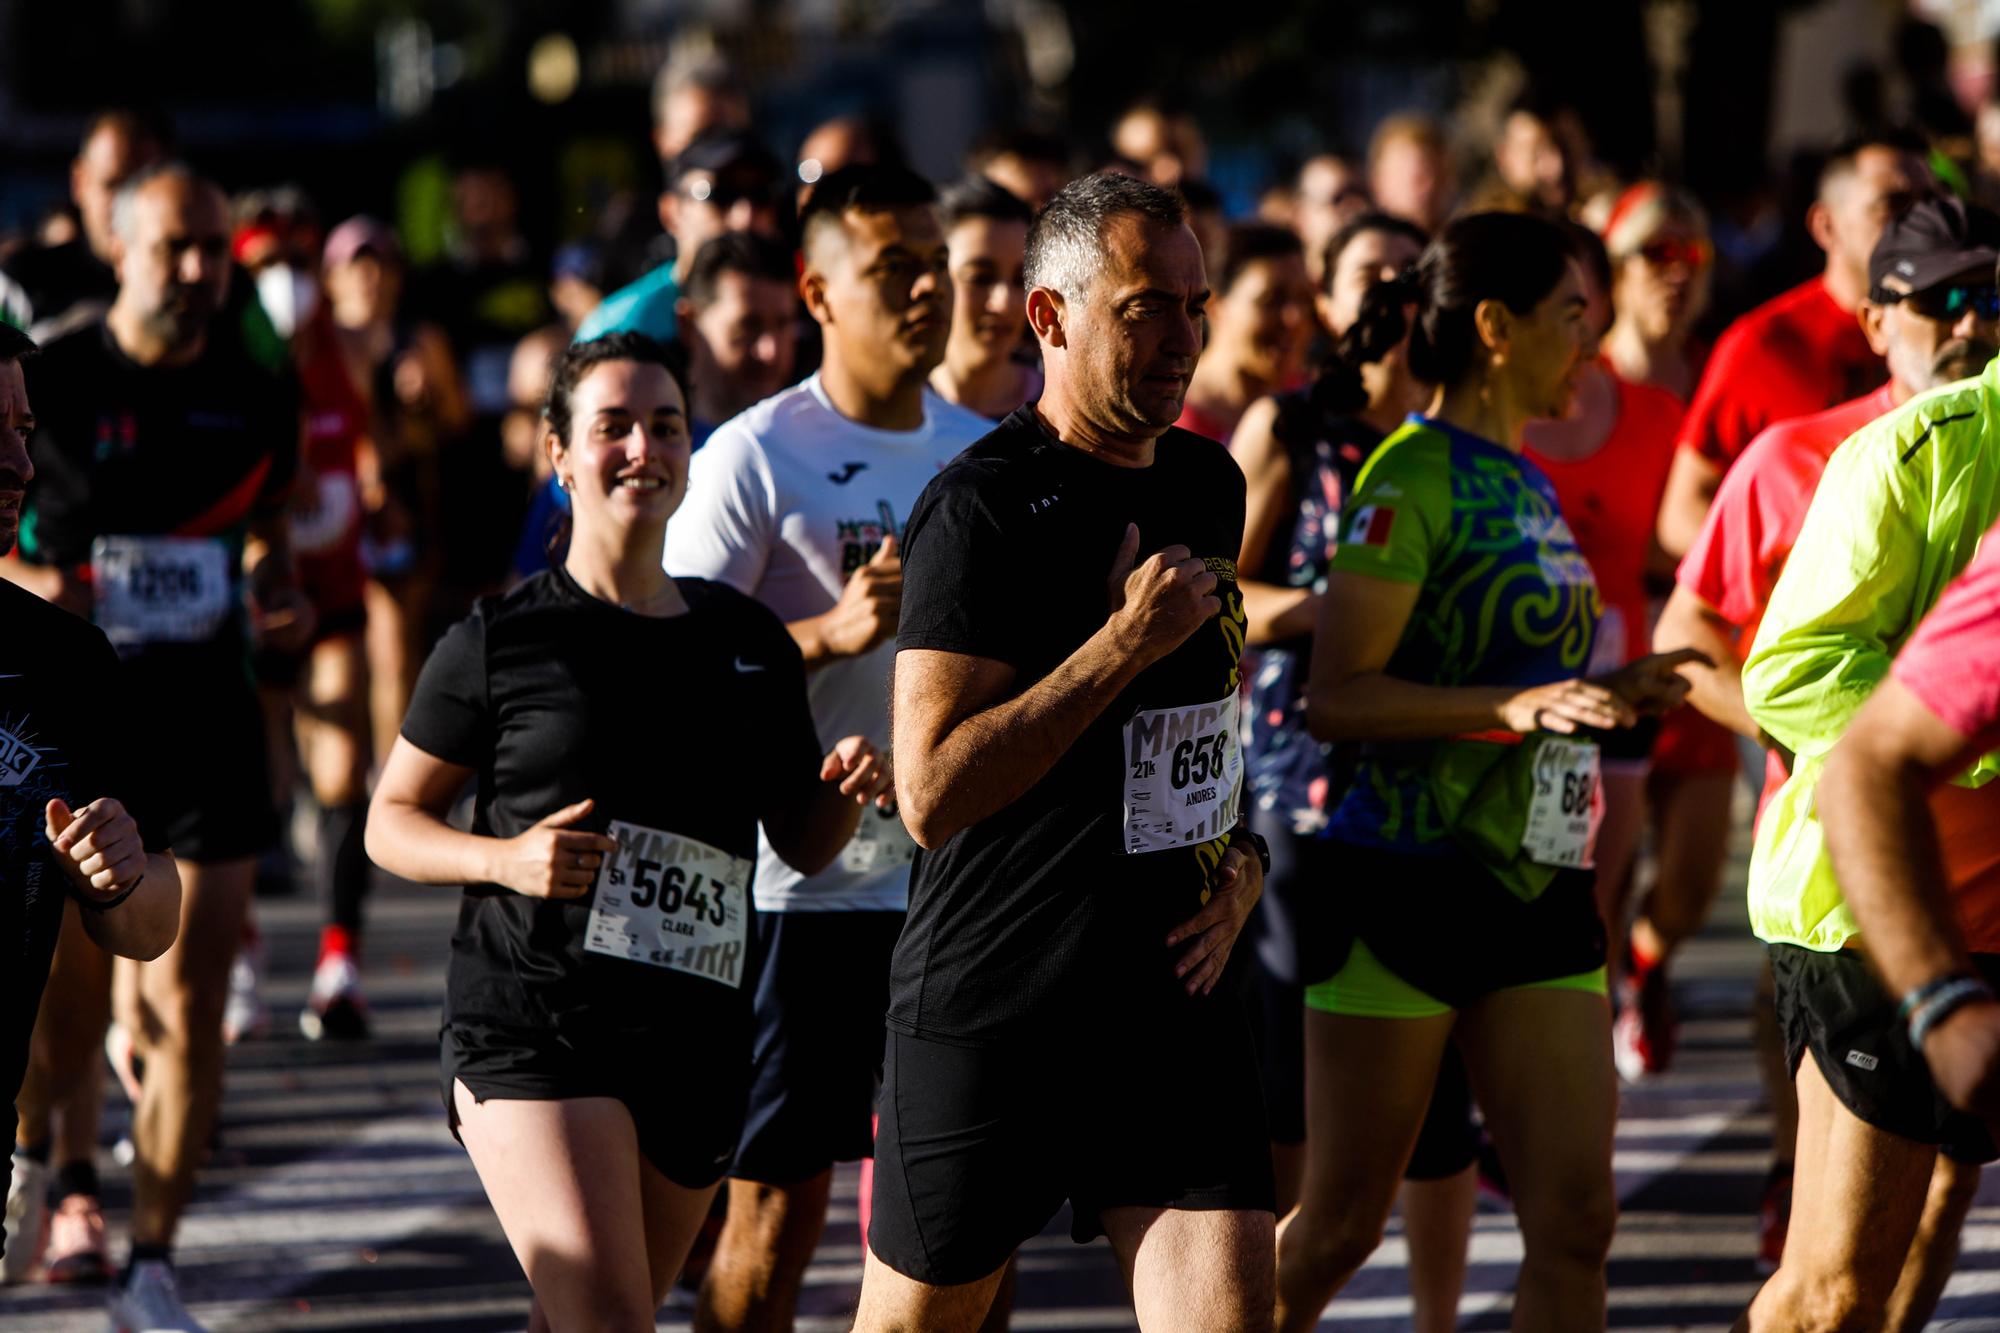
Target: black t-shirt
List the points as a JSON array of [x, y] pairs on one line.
[[42, 286], [689, 727], [63, 734], [1043, 912], [146, 480]]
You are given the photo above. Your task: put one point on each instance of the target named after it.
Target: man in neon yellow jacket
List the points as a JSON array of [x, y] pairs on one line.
[[1899, 512]]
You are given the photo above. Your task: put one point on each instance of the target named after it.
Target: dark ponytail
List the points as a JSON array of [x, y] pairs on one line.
[[1511, 258]]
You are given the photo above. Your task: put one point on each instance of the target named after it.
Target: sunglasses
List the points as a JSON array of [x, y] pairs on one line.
[[1951, 301], [1666, 252]]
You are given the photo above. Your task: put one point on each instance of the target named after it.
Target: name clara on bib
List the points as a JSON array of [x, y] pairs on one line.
[[1183, 775], [671, 902]]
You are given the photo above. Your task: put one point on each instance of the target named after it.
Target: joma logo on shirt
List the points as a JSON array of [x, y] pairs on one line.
[[17, 759]]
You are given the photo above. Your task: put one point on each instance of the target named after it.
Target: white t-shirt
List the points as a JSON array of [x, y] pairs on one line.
[[784, 503]]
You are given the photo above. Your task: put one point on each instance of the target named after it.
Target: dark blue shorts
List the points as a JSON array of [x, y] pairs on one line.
[[816, 1060]]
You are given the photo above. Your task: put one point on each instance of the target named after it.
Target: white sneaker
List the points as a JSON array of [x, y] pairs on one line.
[[243, 1013], [27, 1218], [334, 1008], [150, 1302]]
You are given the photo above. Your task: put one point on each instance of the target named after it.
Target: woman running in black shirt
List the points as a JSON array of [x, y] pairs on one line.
[[628, 732]]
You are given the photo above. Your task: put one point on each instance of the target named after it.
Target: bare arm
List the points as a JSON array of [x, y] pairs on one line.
[[808, 830], [1275, 612], [1885, 852], [1351, 698], [1689, 622], [1691, 487], [143, 926], [965, 749], [407, 835]]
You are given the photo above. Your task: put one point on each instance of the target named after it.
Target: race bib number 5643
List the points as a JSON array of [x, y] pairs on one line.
[[1183, 775], [670, 901]]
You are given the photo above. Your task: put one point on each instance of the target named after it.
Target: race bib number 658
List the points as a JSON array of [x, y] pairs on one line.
[[1183, 775], [670, 901]]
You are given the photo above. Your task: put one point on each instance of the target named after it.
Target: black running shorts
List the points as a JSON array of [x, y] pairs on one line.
[[979, 1147], [687, 1109], [1832, 1005]]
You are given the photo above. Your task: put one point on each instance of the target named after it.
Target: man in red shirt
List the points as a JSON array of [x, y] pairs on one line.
[[1933, 314], [1801, 351]]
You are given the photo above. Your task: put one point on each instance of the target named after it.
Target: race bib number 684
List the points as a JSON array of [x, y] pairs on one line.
[[669, 901]]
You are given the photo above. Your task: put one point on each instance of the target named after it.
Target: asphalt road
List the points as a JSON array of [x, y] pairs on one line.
[[338, 1200]]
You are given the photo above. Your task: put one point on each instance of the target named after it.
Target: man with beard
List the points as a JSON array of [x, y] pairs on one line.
[[164, 458], [799, 502], [1939, 255], [1066, 735]]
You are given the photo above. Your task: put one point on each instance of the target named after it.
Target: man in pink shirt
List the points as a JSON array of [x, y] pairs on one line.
[[1931, 314]]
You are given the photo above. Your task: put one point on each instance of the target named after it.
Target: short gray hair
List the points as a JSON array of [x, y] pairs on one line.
[[1066, 244], [126, 201]]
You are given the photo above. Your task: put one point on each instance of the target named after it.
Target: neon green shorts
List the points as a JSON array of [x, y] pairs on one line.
[[1365, 988]]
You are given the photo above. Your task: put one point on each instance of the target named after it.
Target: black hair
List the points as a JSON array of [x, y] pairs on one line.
[[1030, 145], [1846, 154], [14, 344], [1586, 247], [978, 197], [141, 124], [1513, 258], [1387, 223], [868, 187], [579, 359], [1251, 241], [1201, 197], [745, 252]]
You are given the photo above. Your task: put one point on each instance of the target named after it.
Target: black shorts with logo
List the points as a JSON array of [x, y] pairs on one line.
[[1833, 1005], [979, 1146]]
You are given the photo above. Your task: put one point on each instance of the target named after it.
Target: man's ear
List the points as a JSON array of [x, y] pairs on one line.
[[1045, 316], [1874, 325], [812, 291], [1819, 225]]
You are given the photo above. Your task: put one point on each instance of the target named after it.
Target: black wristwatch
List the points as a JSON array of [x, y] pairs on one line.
[[1256, 840]]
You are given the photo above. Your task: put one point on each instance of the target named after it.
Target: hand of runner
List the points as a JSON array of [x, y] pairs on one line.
[[1161, 602], [863, 771], [98, 847], [1564, 706], [1237, 884], [865, 615], [1963, 1052], [552, 859], [282, 618], [1653, 684]]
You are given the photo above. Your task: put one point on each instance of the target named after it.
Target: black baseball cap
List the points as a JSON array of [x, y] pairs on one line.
[[731, 153], [1938, 238]]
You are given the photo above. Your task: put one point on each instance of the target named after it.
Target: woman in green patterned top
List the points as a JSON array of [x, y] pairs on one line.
[[1452, 638]]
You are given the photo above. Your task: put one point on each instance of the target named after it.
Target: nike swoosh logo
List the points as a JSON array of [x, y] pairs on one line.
[[747, 667], [846, 474]]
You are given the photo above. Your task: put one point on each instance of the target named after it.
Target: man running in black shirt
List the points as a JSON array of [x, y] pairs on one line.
[[1066, 755], [69, 797], [165, 453]]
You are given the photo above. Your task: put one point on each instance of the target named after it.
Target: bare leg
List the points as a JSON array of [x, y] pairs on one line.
[[181, 996], [1692, 818], [1540, 1062], [1201, 1272], [894, 1303], [1437, 1224], [1618, 838], [65, 1075], [1935, 1251], [597, 1230], [760, 1262], [1368, 1085], [1855, 1208]]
